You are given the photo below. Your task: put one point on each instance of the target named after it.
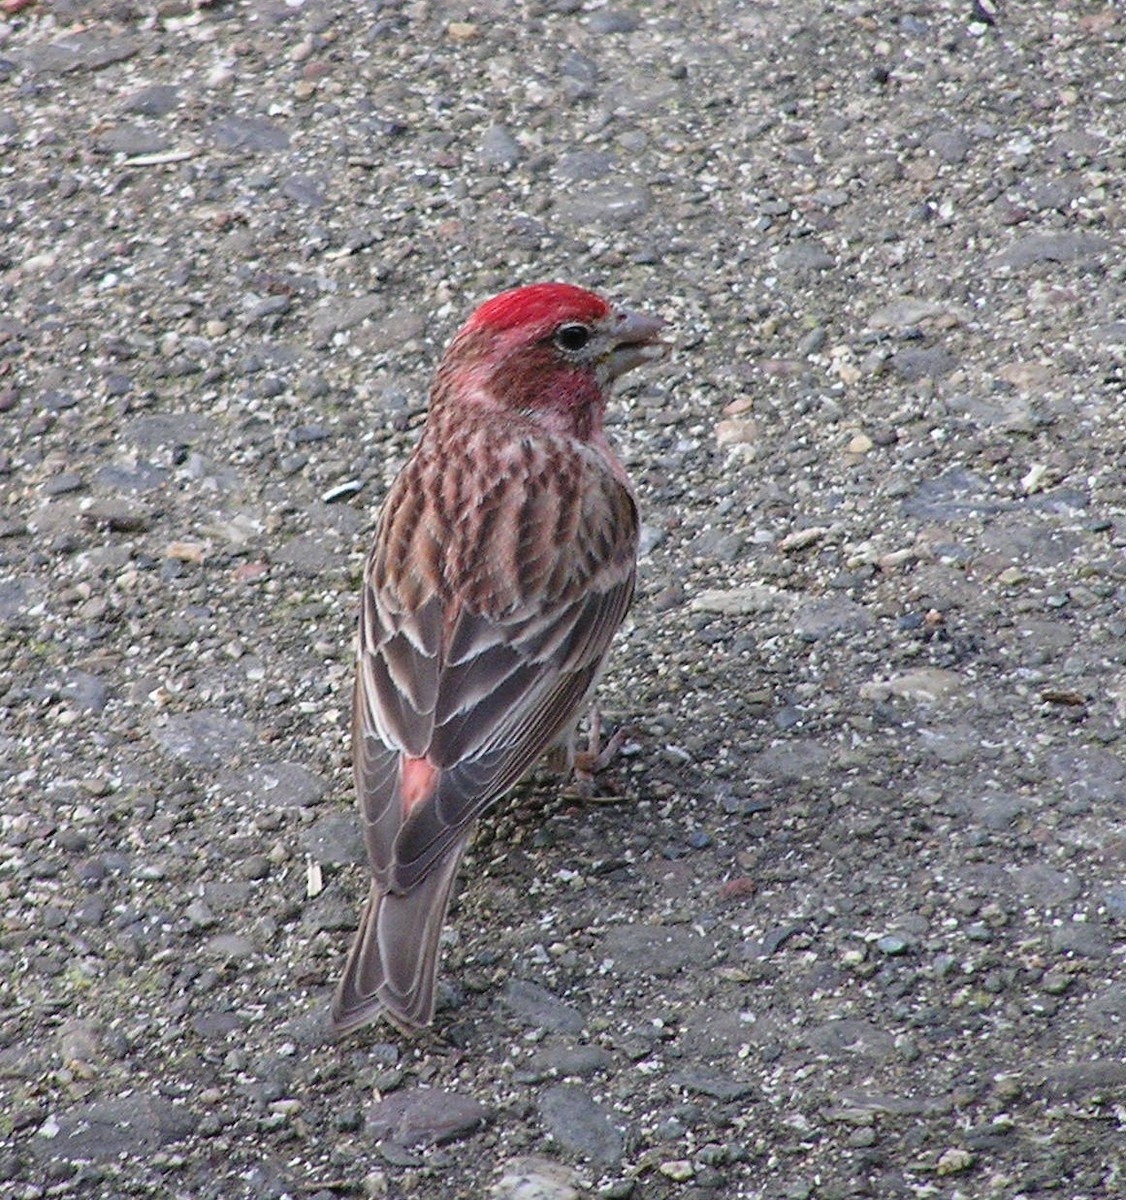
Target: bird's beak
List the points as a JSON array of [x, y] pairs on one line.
[[633, 338]]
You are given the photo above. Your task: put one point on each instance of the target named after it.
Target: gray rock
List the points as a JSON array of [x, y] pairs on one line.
[[535, 1006], [822, 618], [131, 139], [87, 692], [1091, 773], [924, 362], [156, 100], [951, 145], [659, 950], [86, 50], [16, 598], [106, 1130], [578, 1061], [613, 20], [161, 431], [394, 330], [262, 309], [805, 255], [584, 165], [927, 685], [1074, 1080], [1053, 247], [305, 189], [998, 810], [207, 738], [424, 1117], [579, 1126], [950, 497], [789, 761], [216, 1025], [335, 840], [79, 1042], [1106, 1009], [719, 1087], [745, 601], [1015, 414], [851, 1036], [1081, 937], [120, 515], [953, 745], [1113, 333], [578, 66], [1078, 143], [312, 553], [230, 947], [274, 784], [254, 134], [340, 314], [63, 484], [499, 148], [614, 205], [907, 312], [1046, 194], [1038, 883]]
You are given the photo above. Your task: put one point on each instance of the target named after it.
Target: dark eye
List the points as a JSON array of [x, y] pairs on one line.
[[572, 337]]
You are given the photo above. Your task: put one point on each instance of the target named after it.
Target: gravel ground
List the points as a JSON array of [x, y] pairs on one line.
[[856, 926]]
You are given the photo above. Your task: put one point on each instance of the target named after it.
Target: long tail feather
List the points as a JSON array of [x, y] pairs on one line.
[[393, 963]]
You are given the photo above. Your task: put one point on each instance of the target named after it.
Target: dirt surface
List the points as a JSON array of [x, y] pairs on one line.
[[857, 924]]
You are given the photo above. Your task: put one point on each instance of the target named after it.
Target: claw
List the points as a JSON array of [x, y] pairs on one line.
[[585, 764]]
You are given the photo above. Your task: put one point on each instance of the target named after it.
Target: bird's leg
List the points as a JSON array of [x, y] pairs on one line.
[[585, 764], [593, 759]]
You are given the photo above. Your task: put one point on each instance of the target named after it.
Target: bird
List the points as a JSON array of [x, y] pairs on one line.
[[503, 562]]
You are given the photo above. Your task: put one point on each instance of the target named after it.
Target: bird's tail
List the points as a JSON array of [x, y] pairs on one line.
[[393, 963]]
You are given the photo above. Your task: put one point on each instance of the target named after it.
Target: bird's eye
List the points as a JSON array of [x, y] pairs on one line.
[[572, 337]]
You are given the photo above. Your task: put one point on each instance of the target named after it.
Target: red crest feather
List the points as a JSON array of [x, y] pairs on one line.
[[538, 303]]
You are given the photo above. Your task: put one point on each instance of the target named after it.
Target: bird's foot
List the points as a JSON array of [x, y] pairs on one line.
[[586, 764]]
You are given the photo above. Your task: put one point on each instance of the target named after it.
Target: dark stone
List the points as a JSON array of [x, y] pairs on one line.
[[1053, 247], [157, 100], [131, 140], [538, 1008], [275, 784], [304, 189], [950, 497], [207, 738], [581, 1127], [805, 255], [255, 134], [719, 1087], [660, 950], [85, 691], [585, 165], [335, 840], [424, 1116], [837, 614], [579, 1061], [851, 1036], [1068, 1081], [104, 1130], [923, 362]]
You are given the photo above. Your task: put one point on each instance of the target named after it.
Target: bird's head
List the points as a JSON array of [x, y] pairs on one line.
[[549, 351]]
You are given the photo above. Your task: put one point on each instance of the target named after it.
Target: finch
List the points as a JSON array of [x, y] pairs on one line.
[[503, 562]]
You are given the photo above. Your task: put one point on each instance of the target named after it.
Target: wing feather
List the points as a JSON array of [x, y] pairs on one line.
[[480, 657]]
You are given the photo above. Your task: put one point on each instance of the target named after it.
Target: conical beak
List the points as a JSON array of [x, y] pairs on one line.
[[634, 339]]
